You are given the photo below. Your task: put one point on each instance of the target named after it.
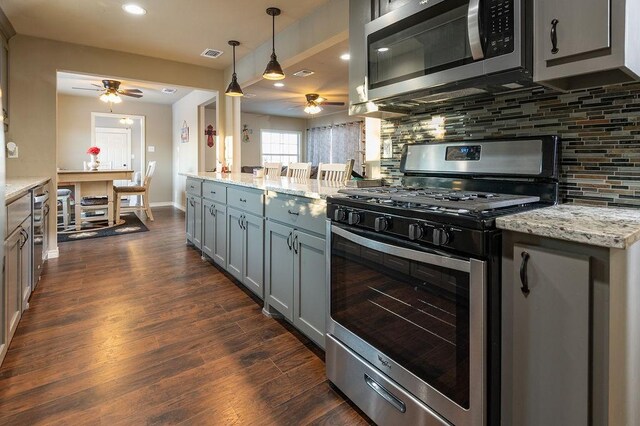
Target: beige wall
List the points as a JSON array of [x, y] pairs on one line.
[[210, 153], [330, 119], [33, 63], [74, 137], [189, 110], [251, 155]]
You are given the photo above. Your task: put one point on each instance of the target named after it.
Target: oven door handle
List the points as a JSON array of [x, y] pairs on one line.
[[420, 256], [385, 394], [473, 29]]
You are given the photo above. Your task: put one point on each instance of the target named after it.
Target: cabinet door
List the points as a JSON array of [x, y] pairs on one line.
[[309, 286], [208, 227], [197, 222], [254, 254], [13, 282], [26, 264], [278, 270], [220, 240], [550, 348], [235, 235], [190, 218], [583, 26]]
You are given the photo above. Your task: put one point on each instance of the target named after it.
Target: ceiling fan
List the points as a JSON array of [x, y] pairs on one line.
[[314, 101], [111, 91]]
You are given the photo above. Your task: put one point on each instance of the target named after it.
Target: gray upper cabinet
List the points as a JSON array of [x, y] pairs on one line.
[[586, 43], [546, 343]]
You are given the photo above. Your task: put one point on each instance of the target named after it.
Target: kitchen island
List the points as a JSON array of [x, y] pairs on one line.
[[269, 234], [571, 316]]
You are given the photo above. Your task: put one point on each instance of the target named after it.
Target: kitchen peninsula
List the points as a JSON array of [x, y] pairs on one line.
[[270, 234]]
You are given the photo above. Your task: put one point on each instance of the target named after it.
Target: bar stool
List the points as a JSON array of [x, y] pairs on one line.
[[64, 200]]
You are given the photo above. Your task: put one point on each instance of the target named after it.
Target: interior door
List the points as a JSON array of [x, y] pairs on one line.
[[115, 149]]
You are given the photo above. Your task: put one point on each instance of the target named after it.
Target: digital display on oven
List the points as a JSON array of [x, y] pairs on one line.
[[463, 153]]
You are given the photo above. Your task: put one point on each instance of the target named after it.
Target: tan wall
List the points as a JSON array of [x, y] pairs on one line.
[[251, 155], [186, 155], [330, 119], [33, 63], [210, 153], [74, 137]]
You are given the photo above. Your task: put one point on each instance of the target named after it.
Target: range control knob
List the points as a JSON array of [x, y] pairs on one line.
[[440, 236], [381, 224], [415, 231], [339, 214], [354, 218]]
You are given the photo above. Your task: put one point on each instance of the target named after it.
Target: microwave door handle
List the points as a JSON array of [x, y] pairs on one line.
[[473, 28]]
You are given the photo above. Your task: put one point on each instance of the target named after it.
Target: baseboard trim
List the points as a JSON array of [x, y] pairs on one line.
[[179, 207], [54, 253], [163, 204]]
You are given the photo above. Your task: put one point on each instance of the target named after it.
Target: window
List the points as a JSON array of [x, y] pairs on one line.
[[280, 146]]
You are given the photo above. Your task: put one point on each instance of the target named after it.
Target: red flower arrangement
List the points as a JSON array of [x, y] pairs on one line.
[[94, 150]]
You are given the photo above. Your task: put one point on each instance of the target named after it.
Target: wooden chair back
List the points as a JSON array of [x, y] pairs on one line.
[[151, 168], [335, 172], [272, 170], [299, 170]]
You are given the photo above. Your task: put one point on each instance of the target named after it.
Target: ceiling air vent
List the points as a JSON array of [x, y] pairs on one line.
[[211, 53], [169, 91], [303, 73]]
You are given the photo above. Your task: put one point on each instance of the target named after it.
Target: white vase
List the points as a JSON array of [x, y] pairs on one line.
[[94, 163]]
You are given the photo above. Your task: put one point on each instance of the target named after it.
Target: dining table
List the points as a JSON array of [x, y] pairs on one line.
[[96, 183]]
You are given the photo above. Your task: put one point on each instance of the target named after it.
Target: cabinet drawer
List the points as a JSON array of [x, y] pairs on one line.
[[17, 212], [301, 213], [246, 199], [194, 187], [214, 191]]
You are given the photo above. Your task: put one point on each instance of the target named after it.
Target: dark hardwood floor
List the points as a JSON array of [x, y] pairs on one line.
[[137, 329]]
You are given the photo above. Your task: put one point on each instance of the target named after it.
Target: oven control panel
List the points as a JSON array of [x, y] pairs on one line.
[[424, 232]]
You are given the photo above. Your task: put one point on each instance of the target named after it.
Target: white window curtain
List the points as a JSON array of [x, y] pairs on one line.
[[336, 144]]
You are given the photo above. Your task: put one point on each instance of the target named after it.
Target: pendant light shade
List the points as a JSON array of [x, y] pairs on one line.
[[234, 88], [273, 70]]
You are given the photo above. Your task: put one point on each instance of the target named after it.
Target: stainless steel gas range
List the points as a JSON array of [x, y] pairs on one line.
[[413, 333]]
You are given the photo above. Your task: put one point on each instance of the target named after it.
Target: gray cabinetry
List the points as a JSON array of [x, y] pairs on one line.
[[279, 268], [194, 220], [26, 263], [214, 231], [245, 248], [13, 282], [586, 43]]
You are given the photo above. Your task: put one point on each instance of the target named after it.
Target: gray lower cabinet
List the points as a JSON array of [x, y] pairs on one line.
[[26, 263], [13, 282], [193, 215], [295, 273], [214, 231], [546, 343], [245, 248]]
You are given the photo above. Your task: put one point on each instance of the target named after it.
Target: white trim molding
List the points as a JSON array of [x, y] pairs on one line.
[[53, 253]]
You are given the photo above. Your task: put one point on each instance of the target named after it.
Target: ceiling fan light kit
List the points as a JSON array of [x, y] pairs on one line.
[[273, 70], [110, 97], [234, 88], [312, 108]]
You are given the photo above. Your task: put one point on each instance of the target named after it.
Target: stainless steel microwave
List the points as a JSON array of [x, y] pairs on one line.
[[430, 46]]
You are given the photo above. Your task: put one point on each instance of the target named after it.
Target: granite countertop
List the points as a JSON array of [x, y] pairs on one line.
[[308, 188], [597, 226], [17, 187]]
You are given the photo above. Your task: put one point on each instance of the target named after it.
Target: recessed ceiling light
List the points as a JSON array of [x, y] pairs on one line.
[[278, 84], [383, 49], [345, 56], [133, 9]]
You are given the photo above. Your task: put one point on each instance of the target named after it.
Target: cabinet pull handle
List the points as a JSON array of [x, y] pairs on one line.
[[213, 192], [295, 244], [289, 240], [212, 211], [523, 274], [191, 203], [243, 200], [293, 213], [554, 36], [25, 237], [239, 223], [244, 221]]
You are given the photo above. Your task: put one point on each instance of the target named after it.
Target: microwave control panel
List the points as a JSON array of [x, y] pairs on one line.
[[498, 28]]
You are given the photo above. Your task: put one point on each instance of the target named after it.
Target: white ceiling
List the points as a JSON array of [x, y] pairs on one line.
[[151, 92], [177, 30], [330, 80]]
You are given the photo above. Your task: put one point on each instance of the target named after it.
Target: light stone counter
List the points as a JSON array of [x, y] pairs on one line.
[[17, 187], [308, 188], [597, 226]]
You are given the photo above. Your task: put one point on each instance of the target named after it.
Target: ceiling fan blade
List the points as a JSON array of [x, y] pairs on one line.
[[133, 95], [84, 88], [333, 103], [130, 91], [97, 85]]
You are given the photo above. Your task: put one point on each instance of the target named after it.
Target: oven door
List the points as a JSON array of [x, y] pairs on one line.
[[416, 315]]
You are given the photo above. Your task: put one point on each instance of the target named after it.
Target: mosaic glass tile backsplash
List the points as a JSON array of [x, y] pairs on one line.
[[599, 130]]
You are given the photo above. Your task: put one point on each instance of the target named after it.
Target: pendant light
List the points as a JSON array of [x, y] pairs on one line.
[[273, 70], [234, 88]]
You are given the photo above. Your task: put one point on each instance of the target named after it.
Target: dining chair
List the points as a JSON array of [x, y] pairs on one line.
[[63, 199], [272, 170], [335, 172], [299, 170], [142, 190]]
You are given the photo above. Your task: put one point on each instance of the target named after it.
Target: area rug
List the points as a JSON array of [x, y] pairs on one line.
[[131, 225]]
